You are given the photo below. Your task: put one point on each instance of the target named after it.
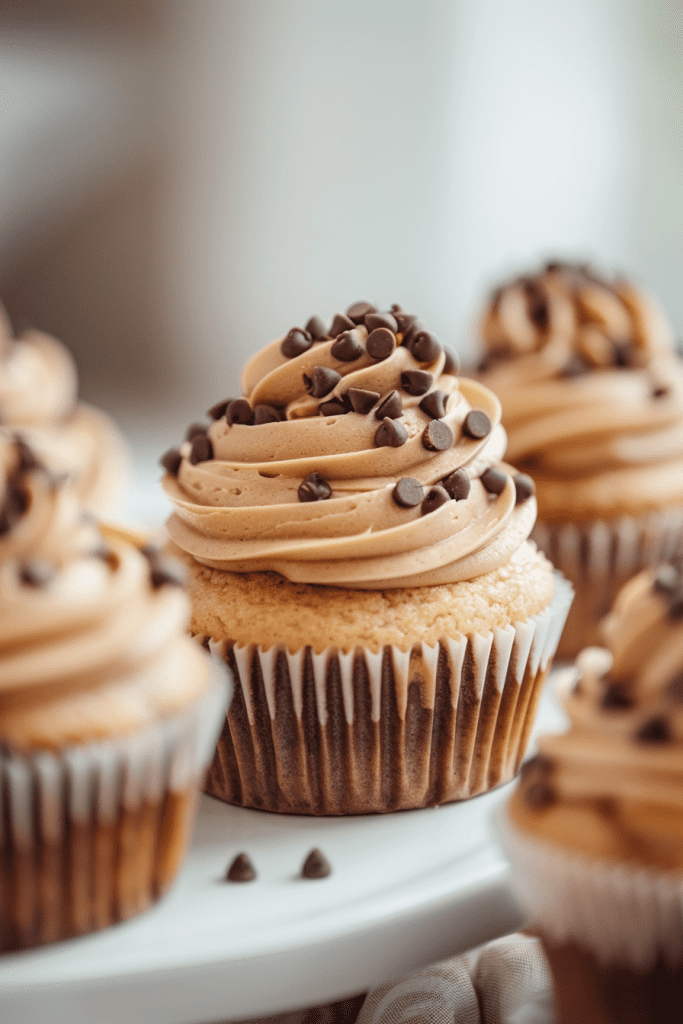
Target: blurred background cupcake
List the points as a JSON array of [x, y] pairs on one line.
[[592, 393]]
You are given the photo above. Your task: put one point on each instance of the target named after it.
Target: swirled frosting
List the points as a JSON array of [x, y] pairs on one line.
[[38, 396], [356, 458], [591, 391], [92, 634], [612, 785]]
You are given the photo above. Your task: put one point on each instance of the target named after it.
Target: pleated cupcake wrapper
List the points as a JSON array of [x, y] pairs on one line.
[[598, 557], [364, 731], [626, 916], [72, 823]]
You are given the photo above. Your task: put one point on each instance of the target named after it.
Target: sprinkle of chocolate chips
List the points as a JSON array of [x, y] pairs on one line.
[[171, 460], [524, 487], [339, 324], [217, 411], [347, 347], [434, 404], [476, 424], [494, 480], [457, 484], [425, 348], [390, 434], [359, 310], [194, 430], [538, 795], [408, 492], [437, 436], [335, 407], [404, 321], [381, 343], [362, 401], [414, 328], [615, 697], [36, 572], [391, 406], [201, 450], [576, 367], [241, 870], [434, 498], [296, 343], [654, 730], [314, 488], [416, 382], [316, 328], [375, 320], [266, 414], [321, 381], [164, 571], [452, 363], [316, 864], [240, 412], [13, 508]]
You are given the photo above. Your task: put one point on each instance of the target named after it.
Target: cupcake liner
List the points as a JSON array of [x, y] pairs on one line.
[[599, 557], [626, 916], [363, 731], [96, 833]]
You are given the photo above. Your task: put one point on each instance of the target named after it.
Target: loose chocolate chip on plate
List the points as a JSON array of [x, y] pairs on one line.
[[295, 343], [458, 484], [241, 869], [434, 498], [362, 401], [381, 343], [538, 766], [217, 411], [654, 730], [13, 508], [375, 320], [524, 487], [194, 430], [321, 381], [494, 480], [335, 407], [437, 436], [316, 328], [314, 488], [416, 382], [201, 450], [316, 865], [451, 363], [408, 492], [359, 310], [339, 324], [266, 414], [240, 412], [615, 698], [171, 460], [425, 348], [476, 424], [36, 572], [391, 406], [434, 404], [347, 347], [390, 434]]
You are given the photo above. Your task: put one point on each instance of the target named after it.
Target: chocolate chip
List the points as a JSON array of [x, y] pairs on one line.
[[433, 404], [411, 332], [375, 320], [296, 343], [416, 382], [576, 367], [615, 698], [659, 391], [171, 460], [316, 328], [201, 450], [408, 492], [654, 730], [321, 381], [452, 363], [391, 434], [623, 353], [194, 430], [241, 870], [434, 498], [240, 412], [391, 406], [425, 347], [217, 411], [359, 310], [13, 508], [674, 689], [347, 347], [28, 460], [494, 480], [164, 571], [538, 795], [404, 321], [335, 407], [458, 484], [266, 414], [104, 554], [362, 401], [381, 343], [316, 864], [339, 324], [437, 436], [476, 424], [524, 487], [36, 572], [314, 488], [538, 766], [539, 314]]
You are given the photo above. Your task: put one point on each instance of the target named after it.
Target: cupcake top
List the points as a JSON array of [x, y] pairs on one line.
[[355, 458], [38, 397], [591, 389], [612, 785], [92, 634]]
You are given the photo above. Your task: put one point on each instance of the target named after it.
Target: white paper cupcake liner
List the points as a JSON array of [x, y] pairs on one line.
[[95, 833], [625, 916], [361, 732]]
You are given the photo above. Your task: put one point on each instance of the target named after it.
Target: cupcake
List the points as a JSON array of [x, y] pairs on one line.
[[358, 555], [595, 828], [108, 714], [38, 398], [592, 396]]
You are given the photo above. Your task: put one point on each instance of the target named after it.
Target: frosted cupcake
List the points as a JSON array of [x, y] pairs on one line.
[[595, 829], [358, 555], [38, 398], [592, 396], [108, 714]]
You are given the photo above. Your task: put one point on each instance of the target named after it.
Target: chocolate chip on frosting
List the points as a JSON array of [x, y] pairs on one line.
[[452, 363], [36, 572], [435, 497], [391, 406], [416, 382], [314, 488], [408, 492], [296, 343], [494, 480], [437, 436], [201, 450], [362, 401], [524, 487], [217, 411], [381, 343], [390, 434], [316, 865], [171, 460], [13, 507], [413, 328], [375, 320], [240, 412], [241, 869], [348, 347], [476, 424], [266, 414], [434, 405], [654, 730], [425, 348], [194, 430], [321, 381], [335, 407], [359, 310], [339, 324], [316, 328], [458, 484]]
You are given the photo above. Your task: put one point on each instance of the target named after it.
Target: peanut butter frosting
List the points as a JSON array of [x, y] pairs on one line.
[[356, 458], [591, 389], [38, 397], [612, 785], [92, 634]]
